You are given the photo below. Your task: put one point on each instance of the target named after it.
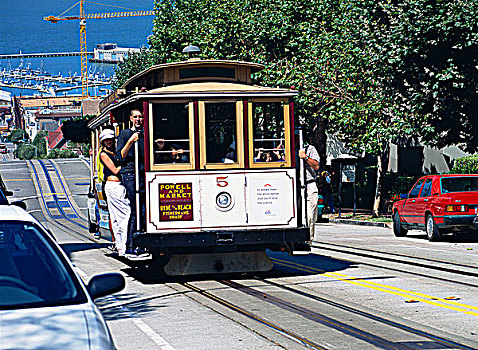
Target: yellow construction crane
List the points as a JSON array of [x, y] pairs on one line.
[[82, 16]]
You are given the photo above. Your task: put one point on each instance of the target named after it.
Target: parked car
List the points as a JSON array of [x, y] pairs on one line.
[[4, 193], [438, 204], [3, 148], [43, 302]]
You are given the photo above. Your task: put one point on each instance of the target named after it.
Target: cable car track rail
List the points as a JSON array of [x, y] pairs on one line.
[[56, 203], [394, 254], [316, 317], [441, 340], [407, 261]]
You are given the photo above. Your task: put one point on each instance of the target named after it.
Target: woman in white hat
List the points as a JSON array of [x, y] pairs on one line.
[[118, 205]]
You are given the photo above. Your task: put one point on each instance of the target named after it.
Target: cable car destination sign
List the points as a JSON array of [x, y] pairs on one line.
[[175, 202]]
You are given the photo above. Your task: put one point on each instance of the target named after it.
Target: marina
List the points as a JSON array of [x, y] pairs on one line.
[[38, 81]]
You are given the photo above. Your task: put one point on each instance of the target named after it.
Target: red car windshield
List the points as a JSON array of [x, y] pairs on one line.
[[459, 184]]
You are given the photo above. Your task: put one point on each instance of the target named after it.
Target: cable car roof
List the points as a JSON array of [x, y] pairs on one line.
[[169, 73], [194, 91]]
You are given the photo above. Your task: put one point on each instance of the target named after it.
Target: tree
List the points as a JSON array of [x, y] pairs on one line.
[[317, 47], [432, 54], [40, 143], [76, 130], [17, 135], [368, 71]]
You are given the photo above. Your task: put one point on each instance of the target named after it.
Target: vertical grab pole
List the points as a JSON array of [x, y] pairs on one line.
[[303, 187], [136, 178]]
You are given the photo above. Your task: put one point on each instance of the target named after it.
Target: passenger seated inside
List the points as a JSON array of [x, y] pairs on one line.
[[231, 156], [177, 155], [279, 155], [268, 156], [262, 156], [169, 154]]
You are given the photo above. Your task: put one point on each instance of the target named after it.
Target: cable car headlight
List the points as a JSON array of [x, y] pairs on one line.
[[224, 201]]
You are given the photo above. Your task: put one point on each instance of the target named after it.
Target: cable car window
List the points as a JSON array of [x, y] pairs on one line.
[[171, 133], [268, 132], [202, 72], [221, 132]]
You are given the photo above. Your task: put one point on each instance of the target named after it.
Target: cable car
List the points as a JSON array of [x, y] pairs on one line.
[[221, 183]]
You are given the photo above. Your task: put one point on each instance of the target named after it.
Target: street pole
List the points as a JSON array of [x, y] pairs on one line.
[[340, 191]]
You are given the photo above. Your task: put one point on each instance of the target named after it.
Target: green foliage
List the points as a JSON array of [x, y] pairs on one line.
[[17, 135], [394, 183], [64, 153], [370, 71], [76, 130], [25, 151], [432, 55], [40, 143], [466, 165]]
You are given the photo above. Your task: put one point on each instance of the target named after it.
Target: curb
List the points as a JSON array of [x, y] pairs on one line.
[[361, 223]]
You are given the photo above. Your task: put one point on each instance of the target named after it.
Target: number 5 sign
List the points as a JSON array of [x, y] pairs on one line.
[[221, 181]]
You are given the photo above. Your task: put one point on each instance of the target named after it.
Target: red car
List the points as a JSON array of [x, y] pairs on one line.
[[438, 204]]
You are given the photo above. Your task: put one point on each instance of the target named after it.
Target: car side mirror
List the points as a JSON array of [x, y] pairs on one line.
[[91, 195], [20, 204], [8, 193], [404, 196], [105, 284]]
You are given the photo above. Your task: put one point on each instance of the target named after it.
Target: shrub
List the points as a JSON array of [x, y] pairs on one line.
[[394, 183], [64, 153], [466, 165]]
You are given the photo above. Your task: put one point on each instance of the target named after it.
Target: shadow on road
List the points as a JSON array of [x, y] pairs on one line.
[[284, 266]]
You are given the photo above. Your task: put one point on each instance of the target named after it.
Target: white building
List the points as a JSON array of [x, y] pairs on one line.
[[111, 53]]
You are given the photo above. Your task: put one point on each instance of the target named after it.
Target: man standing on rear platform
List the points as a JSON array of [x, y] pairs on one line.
[[311, 162], [125, 151]]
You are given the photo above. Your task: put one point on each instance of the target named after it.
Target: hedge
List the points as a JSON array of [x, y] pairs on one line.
[[466, 165]]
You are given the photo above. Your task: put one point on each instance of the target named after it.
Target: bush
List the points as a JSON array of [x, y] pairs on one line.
[[394, 183], [64, 153], [466, 165], [24, 151], [27, 152]]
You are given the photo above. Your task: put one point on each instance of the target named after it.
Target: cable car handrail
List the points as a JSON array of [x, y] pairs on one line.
[[268, 139], [172, 140]]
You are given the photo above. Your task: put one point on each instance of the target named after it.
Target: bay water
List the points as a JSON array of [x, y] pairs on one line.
[[23, 30]]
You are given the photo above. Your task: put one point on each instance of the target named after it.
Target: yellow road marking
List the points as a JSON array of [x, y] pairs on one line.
[[52, 194], [6, 180], [73, 179], [386, 289]]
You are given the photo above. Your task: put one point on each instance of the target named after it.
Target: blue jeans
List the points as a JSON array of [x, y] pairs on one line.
[[128, 181], [329, 199]]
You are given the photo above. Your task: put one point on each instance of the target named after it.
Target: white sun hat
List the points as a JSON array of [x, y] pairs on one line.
[[107, 134]]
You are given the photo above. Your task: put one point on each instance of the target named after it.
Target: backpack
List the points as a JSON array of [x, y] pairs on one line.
[[99, 168], [325, 177]]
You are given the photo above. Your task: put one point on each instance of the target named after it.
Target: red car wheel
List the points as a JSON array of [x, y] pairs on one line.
[[398, 230], [433, 234]]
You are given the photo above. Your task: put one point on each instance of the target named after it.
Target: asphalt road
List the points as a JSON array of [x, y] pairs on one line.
[[155, 313]]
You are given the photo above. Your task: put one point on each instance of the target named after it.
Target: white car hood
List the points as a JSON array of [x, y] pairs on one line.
[[59, 327]]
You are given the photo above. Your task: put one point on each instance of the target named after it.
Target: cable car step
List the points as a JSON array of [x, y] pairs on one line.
[[225, 238]]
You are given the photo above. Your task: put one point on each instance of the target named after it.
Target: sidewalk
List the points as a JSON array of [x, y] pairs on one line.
[[334, 218]]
